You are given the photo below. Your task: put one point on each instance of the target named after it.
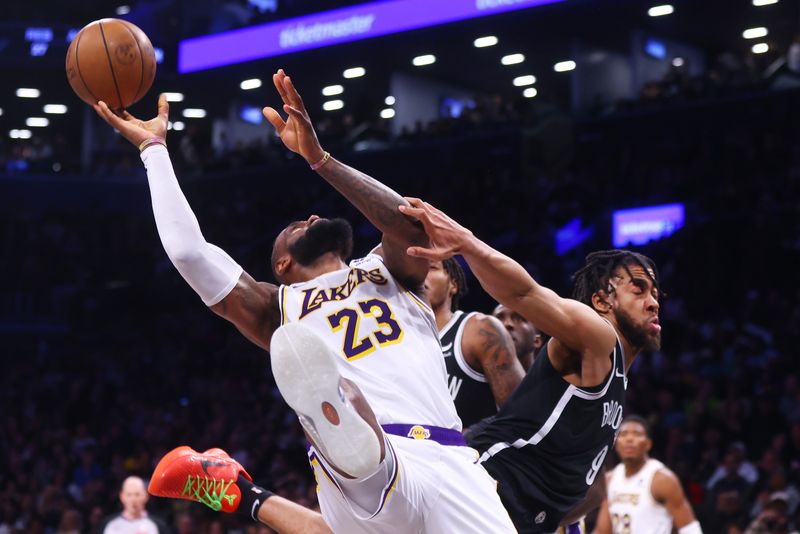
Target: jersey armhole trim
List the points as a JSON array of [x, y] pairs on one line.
[[282, 303], [459, 355]]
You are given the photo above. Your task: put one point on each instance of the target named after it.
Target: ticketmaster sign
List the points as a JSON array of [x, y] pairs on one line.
[[333, 27]]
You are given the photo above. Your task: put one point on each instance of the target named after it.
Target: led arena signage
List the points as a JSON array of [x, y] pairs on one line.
[[333, 27]]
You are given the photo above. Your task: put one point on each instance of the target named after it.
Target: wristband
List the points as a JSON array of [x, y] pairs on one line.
[[252, 497], [321, 162], [152, 141]]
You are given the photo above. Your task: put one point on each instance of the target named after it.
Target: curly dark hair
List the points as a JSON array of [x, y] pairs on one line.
[[600, 267], [457, 276]]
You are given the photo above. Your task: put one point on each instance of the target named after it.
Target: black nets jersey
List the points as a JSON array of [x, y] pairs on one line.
[[550, 440], [470, 391]]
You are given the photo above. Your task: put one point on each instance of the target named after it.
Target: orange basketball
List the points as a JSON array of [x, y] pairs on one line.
[[111, 60]]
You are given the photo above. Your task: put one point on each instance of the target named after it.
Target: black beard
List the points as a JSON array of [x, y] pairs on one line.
[[323, 236], [637, 336]]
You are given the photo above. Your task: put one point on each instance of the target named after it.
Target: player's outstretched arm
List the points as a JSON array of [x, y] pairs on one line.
[[569, 321], [214, 275], [376, 201], [666, 489], [486, 341]]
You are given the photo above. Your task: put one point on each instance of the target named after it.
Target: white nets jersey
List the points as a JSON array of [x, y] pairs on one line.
[[631, 504], [386, 339]]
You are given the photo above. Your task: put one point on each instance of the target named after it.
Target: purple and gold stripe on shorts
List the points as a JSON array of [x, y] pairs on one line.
[[318, 461], [392, 480], [314, 460]]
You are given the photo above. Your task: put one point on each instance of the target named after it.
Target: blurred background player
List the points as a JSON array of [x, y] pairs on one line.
[[527, 338], [482, 367], [134, 519], [643, 495]]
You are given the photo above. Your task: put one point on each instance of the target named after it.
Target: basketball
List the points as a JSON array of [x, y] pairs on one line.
[[111, 60]]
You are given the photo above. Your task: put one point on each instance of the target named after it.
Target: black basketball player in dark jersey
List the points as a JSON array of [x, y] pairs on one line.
[[482, 367], [549, 441], [527, 338]]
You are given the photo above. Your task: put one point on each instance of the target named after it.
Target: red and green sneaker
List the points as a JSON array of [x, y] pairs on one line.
[[209, 478]]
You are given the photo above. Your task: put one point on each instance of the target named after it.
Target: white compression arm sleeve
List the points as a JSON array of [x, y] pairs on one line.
[[207, 268]]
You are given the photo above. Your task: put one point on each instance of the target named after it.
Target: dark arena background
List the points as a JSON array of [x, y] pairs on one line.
[[577, 125]]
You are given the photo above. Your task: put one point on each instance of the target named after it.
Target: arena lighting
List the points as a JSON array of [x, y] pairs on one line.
[[159, 53], [333, 27], [522, 81], [354, 72], [55, 109], [1, 111], [333, 105], [332, 90], [660, 11], [759, 3], [123, 10], [530, 92], [512, 59], [637, 226], [564, 66], [421, 61], [178, 126], [20, 134], [251, 114], [174, 97], [389, 100], [252, 83], [677, 62], [39, 35], [655, 48], [755, 33], [38, 49], [387, 113], [194, 113], [37, 122], [28, 92], [483, 42], [760, 48]]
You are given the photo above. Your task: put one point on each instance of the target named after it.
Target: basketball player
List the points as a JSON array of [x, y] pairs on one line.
[[643, 495], [527, 338], [482, 368], [549, 441], [354, 351]]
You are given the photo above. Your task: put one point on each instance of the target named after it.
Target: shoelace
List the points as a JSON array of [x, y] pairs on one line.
[[208, 491]]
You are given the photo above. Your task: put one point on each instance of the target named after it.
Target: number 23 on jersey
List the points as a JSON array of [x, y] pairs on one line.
[[388, 332]]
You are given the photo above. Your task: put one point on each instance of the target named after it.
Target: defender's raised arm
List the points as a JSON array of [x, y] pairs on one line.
[[376, 201], [576, 325]]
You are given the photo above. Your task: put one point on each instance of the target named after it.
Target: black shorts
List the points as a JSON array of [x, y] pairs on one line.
[[531, 517]]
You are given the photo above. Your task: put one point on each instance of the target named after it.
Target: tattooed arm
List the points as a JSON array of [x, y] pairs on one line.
[[489, 349], [377, 202]]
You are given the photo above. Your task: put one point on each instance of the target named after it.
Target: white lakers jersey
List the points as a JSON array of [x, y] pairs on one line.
[[386, 338], [631, 504]]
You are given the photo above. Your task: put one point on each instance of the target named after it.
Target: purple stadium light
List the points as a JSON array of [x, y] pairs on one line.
[[639, 225], [333, 27]]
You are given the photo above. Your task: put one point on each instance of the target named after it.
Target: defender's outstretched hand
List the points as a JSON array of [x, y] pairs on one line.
[[447, 237], [296, 131], [134, 130]]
